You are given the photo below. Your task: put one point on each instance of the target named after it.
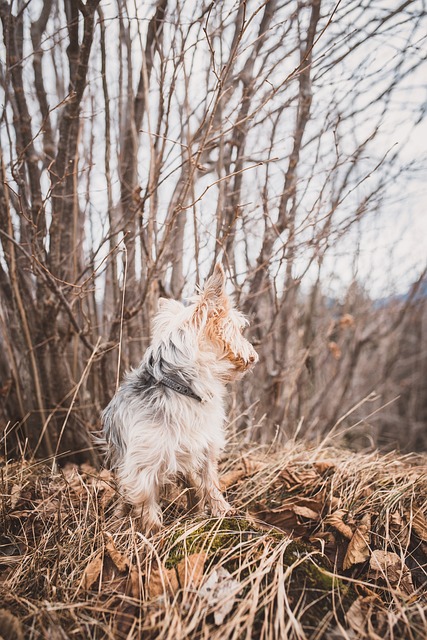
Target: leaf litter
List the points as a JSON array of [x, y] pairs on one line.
[[325, 541]]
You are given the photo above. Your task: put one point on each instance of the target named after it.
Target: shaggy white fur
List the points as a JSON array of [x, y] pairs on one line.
[[154, 432]]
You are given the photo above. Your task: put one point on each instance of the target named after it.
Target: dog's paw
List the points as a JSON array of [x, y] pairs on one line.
[[222, 509], [147, 526]]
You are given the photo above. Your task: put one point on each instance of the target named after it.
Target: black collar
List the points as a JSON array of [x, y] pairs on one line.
[[179, 387]]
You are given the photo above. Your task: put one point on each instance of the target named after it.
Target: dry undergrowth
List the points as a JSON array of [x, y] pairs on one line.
[[327, 544]]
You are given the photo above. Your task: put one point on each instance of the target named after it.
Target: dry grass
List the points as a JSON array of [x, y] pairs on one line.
[[343, 553]]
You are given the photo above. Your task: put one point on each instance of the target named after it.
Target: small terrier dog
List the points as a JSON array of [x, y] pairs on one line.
[[167, 418]]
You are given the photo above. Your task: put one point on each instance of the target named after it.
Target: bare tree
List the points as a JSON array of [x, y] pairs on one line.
[[139, 144]]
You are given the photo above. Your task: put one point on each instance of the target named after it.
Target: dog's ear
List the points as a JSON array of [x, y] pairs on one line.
[[212, 299], [214, 289], [162, 303]]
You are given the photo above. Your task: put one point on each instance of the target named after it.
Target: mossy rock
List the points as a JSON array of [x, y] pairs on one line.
[[317, 597], [214, 537]]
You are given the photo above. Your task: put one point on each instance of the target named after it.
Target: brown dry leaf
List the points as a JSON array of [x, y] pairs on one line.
[[231, 478], [121, 562], [366, 520], [119, 582], [15, 494], [106, 484], [49, 507], [291, 478], [73, 478], [134, 583], [346, 320], [246, 467], [253, 465], [419, 524], [396, 519], [190, 570], [88, 469], [305, 507], [398, 530], [323, 537], [305, 476], [358, 547], [359, 615], [323, 466], [92, 571], [282, 518], [305, 512], [335, 502], [161, 580], [335, 350], [388, 566], [356, 617], [10, 626], [336, 520]]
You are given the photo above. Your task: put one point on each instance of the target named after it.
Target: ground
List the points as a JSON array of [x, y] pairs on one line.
[[326, 543]]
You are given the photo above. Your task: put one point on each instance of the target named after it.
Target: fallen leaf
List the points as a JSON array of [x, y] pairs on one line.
[[346, 320], [323, 537], [419, 524], [396, 519], [335, 502], [381, 560], [388, 566], [10, 626], [289, 477], [15, 494], [106, 485], [245, 468], [220, 589], [366, 520], [92, 571], [88, 469], [358, 547], [134, 583], [324, 466], [398, 530], [302, 476], [336, 520], [190, 570], [305, 507], [305, 512], [284, 519], [74, 479], [356, 617], [161, 580], [231, 478], [335, 350], [121, 562]]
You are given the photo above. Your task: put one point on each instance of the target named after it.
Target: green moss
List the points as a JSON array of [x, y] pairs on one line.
[[214, 537], [315, 595], [312, 591], [312, 588]]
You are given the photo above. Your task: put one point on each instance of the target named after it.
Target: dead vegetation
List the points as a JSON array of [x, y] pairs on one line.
[[140, 142], [327, 544]]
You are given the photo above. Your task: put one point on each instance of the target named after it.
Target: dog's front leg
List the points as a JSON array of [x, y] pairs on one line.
[[211, 494], [192, 491], [142, 492]]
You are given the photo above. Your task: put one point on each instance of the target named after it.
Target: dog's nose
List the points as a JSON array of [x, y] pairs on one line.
[[251, 359]]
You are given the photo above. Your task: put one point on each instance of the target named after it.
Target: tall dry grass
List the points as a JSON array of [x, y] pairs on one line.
[[326, 544]]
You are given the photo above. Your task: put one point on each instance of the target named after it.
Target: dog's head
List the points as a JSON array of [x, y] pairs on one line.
[[222, 325], [210, 324]]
